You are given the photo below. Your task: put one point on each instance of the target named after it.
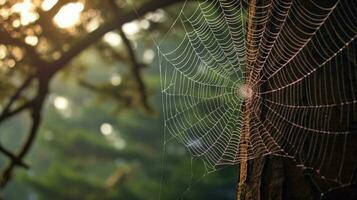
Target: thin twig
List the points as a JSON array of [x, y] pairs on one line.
[[12, 157], [36, 121], [45, 71], [136, 71], [17, 94]]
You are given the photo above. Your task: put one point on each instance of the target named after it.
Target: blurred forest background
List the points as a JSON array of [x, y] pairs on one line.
[[81, 108]]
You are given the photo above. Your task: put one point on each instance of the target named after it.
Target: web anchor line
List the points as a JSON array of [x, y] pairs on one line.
[[299, 55]]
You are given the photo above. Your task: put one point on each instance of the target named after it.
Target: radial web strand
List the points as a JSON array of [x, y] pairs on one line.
[[260, 77]]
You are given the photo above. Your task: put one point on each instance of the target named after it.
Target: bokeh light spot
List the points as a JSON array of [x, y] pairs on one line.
[[69, 15]]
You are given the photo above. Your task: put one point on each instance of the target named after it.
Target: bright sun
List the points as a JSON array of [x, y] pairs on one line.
[[69, 15]]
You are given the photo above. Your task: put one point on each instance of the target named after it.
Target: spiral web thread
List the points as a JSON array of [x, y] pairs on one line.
[[253, 78]]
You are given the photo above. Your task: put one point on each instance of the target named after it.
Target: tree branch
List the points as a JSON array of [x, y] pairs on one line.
[[136, 71], [45, 71], [111, 25], [12, 157], [17, 94], [15, 111], [105, 91], [135, 65], [7, 39], [36, 121], [54, 10]]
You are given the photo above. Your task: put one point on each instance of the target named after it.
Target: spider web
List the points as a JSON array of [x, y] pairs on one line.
[[260, 77]]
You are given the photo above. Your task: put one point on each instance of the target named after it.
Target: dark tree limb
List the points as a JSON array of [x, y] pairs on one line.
[[135, 65], [45, 71], [17, 94], [110, 92], [36, 109], [16, 111], [111, 25], [12, 157], [34, 57], [136, 71], [54, 10]]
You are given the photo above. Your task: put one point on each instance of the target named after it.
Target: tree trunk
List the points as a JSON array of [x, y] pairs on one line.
[[276, 178]]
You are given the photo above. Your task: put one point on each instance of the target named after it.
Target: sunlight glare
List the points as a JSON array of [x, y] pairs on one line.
[[10, 63], [16, 23], [69, 15], [31, 40], [61, 103], [92, 25], [131, 28], [158, 16], [48, 4], [145, 24], [112, 38], [106, 129], [3, 51], [115, 80], [26, 10], [148, 56]]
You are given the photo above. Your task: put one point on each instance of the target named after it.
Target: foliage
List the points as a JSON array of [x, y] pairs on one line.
[[108, 83]]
